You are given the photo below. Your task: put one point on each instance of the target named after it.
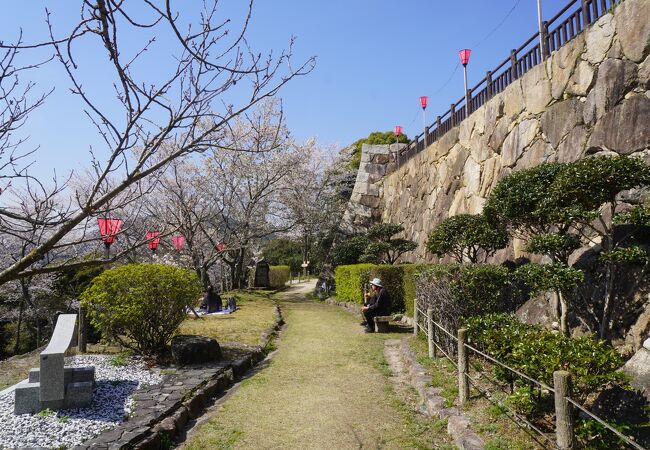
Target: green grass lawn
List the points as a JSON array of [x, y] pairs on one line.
[[255, 314], [325, 388]]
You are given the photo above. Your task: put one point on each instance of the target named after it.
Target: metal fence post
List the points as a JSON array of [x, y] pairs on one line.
[[564, 434], [82, 331], [463, 367], [432, 347], [415, 316]]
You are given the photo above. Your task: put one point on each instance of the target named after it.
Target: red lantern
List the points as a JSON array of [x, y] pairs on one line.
[[178, 242], [464, 56], [154, 239], [108, 229], [221, 246], [397, 130], [423, 101]]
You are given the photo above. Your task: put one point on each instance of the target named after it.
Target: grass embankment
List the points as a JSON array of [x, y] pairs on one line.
[[326, 387], [255, 314], [489, 421]]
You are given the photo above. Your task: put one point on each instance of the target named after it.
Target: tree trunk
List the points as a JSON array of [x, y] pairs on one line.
[[564, 314], [607, 301], [18, 327]]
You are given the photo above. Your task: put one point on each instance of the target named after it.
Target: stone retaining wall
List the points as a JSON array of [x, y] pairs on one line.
[[589, 97]]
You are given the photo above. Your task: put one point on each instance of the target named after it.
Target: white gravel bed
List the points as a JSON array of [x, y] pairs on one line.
[[111, 404]]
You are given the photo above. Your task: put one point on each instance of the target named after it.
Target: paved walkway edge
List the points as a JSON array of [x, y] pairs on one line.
[[458, 425], [167, 414]]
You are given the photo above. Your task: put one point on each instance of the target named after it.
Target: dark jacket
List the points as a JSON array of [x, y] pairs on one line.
[[382, 305]]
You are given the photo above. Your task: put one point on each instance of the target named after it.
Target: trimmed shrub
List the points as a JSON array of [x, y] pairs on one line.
[[410, 273], [538, 352], [278, 276], [350, 281], [141, 305]]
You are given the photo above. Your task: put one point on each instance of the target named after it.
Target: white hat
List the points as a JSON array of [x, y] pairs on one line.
[[376, 282]]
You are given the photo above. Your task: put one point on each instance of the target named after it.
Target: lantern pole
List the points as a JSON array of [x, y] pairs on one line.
[[107, 250], [540, 24], [464, 59]]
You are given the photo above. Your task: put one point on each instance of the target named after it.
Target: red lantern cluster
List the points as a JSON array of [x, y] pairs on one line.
[[397, 130], [423, 101], [221, 246]]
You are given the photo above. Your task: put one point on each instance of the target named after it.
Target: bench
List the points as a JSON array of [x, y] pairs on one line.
[[382, 323], [53, 386]]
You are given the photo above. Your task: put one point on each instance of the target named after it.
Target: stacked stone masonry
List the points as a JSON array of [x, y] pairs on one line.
[[590, 97]]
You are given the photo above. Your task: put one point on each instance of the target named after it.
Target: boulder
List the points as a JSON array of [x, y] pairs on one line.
[[188, 349], [638, 368], [625, 128], [581, 80], [599, 39], [615, 78], [635, 35], [559, 119], [519, 138], [562, 64]]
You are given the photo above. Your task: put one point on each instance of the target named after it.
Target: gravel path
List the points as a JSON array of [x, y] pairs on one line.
[[111, 404]]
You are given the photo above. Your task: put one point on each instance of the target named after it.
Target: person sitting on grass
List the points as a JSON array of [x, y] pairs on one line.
[[211, 301], [380, 307]]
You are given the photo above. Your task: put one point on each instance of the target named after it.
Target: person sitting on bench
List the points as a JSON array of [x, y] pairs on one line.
[[380, 307]]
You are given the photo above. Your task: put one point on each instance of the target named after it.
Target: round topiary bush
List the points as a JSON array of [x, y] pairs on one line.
[[141, 305]]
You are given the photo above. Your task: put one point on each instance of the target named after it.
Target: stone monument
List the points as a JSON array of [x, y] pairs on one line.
[[261, 279], [54, 386]]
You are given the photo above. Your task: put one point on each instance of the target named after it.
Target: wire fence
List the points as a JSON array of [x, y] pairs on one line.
[[543, 431], [555, 33]]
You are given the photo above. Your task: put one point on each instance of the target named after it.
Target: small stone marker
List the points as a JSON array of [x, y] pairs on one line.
[[261, 274], [53, 386]]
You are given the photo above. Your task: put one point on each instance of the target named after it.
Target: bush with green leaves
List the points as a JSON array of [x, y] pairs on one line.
[[466, 237], [410, 274], [351, 280], [383, 246], [278, 276], [284, 252], [538, 353], [349, 251], [141, 305]]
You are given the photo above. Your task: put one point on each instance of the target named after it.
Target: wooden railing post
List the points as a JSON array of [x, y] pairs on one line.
[[427, 141], [415, 316], [452, 110], [544, 50], [463, 367], [513, 64], [586, 14], [468, 103], [432, 347], [564, 432], [82, 334], [488, 80]]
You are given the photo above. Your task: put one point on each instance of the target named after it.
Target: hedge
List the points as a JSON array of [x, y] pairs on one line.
[[411, 273], [278, 276], [399, 280], [350, 281]]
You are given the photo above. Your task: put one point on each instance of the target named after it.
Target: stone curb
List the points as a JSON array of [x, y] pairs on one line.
[[458, 425], [354, 308], [165, 410]]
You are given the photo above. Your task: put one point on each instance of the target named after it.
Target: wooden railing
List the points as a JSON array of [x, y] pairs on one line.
[[555, 33]]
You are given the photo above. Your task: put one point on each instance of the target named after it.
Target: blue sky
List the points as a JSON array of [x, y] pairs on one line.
[[374, 60]]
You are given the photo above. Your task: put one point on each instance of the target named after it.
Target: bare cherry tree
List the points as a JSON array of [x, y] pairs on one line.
[[152, 120]]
